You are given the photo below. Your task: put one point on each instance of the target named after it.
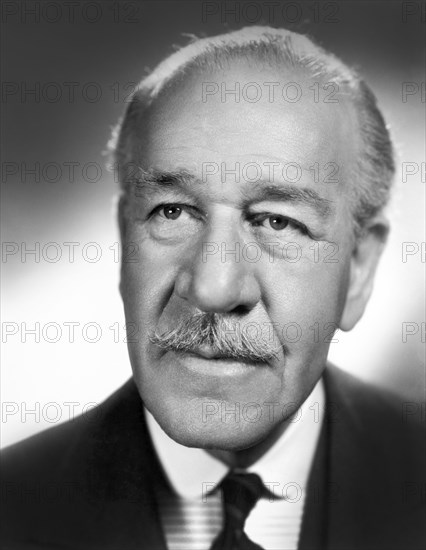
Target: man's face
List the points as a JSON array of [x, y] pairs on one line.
[[257, 230]]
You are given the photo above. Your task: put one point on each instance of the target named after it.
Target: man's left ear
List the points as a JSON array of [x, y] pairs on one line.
[[121, 218], [365, 258]]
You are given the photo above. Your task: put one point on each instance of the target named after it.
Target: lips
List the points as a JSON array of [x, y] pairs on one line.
[[206, 352], [209, 353]]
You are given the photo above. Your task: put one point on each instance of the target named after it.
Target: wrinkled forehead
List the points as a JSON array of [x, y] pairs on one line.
[[246, 111]]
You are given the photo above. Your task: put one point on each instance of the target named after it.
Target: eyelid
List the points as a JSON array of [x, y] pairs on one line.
[[261, 216], [184, 206]]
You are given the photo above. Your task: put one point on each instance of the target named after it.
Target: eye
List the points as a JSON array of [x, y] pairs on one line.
[[171, 211], [174, 222], [278, 222]]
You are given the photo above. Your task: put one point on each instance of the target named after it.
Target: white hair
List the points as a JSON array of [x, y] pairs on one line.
[[374, 167]]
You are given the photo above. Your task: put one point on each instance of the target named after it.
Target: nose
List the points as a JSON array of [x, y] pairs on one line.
[[217, 277]]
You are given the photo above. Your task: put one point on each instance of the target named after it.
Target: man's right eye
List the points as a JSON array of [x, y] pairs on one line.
[[174, 211], [174, 221], [170, 211]]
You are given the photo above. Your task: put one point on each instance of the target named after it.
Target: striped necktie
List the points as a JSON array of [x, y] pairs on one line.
[[240, 493]]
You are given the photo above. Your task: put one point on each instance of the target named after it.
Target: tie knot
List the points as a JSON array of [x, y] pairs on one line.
[[240, 494]]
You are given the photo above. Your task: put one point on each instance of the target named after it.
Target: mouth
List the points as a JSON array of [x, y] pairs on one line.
[[210, 353], [212, 357], [207, 344], [207, 363]]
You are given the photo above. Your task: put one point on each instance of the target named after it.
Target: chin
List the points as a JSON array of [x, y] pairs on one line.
[[215, 434]]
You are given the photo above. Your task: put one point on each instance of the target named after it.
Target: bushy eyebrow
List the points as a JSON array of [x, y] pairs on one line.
[[264, 191], [259, 191], [154, 180]]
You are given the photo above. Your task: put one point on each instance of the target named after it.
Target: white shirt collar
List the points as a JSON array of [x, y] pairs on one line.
[[289, 460]]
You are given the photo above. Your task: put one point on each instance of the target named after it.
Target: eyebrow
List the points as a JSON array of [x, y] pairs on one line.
[[259, 191], [152, 180], [264, 191]]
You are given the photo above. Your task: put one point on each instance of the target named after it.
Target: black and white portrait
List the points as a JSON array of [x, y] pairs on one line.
[[213, 275]]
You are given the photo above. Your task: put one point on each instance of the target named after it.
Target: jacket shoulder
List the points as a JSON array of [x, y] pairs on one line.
[[55, 484], [47, 451], [384, 431], [370, 405]]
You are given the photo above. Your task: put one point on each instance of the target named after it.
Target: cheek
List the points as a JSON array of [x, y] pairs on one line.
[[148, 273], [305, 300]]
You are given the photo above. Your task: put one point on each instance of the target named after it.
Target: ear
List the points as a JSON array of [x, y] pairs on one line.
[[365, 258], [121, 217], [122, 223]]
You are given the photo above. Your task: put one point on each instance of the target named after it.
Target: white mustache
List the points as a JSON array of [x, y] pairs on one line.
[[219, 334]]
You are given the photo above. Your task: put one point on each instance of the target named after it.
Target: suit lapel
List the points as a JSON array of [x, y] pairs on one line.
[[348, 469], [334, 495], [119, 508], [355, 485], [314, 522]]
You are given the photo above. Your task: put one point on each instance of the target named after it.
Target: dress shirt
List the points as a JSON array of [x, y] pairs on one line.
[[192, 514]]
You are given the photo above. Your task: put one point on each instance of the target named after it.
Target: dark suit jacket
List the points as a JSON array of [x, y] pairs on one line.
[[89, 483]]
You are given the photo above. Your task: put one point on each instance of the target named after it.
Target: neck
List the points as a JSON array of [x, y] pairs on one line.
[[246, 457]]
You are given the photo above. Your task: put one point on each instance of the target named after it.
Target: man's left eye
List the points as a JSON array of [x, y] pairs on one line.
[[277, 222]]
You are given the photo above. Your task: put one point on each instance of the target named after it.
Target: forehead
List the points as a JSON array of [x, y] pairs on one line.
[[245, 113]]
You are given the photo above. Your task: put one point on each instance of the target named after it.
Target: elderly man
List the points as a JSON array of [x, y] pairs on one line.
[[254, 170]]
